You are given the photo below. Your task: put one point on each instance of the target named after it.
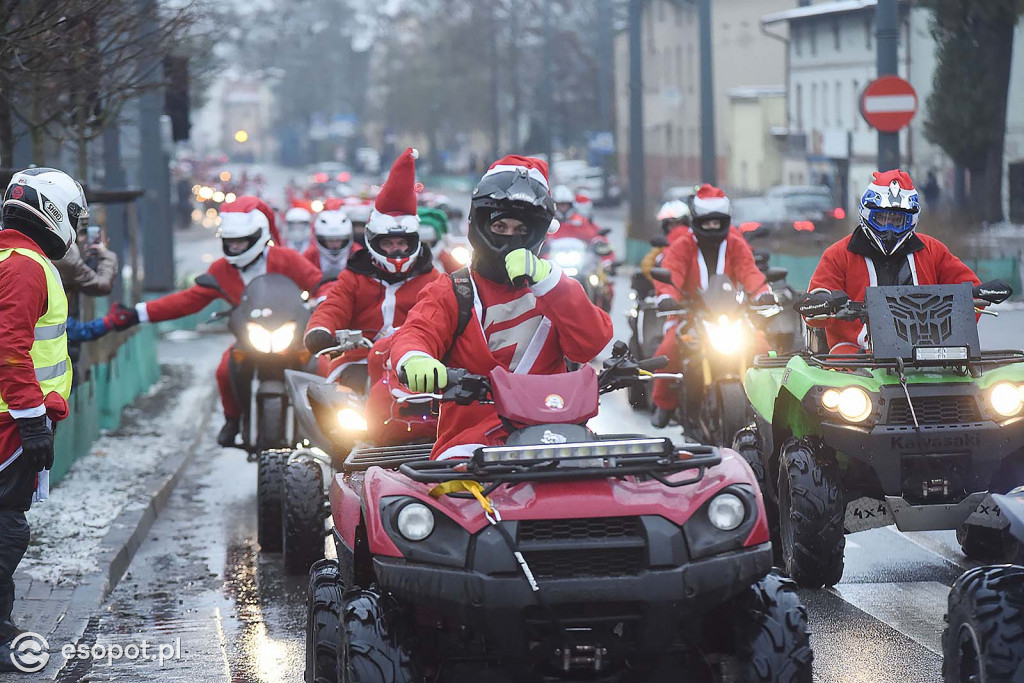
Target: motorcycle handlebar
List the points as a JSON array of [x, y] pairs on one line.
[[652, 364]]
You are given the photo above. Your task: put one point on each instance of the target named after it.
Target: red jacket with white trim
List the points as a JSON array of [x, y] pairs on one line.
[[674, 235], [282, 260], [735, 259], [366, 298], [23, 302], [577, 227], [531, 330], [850, 272]]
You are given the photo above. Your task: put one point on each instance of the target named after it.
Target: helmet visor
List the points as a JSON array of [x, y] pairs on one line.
[[233, 246], [886, 220]]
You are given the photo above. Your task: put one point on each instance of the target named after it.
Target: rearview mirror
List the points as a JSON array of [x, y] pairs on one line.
[[208, 281], [604, 232], [659, 242]]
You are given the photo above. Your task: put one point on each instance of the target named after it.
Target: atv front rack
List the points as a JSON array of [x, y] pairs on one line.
[[388, 457], [658, 467], [858, 361]]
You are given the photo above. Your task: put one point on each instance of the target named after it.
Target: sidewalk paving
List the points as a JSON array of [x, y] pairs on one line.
[[85, 535]]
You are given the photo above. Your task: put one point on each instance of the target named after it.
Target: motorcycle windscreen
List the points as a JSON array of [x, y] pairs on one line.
[[270, 300], [936, 320], [721, 297]]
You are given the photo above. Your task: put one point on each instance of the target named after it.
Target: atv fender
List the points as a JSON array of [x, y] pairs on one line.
[[1012, 506], [346, 510]]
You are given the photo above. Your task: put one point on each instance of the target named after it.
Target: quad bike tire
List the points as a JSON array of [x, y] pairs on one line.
[[773, 643], [270, 428], [980, 543], [324, 604], [370, 650], [302, 516], [811, 517], [732, 412], [984, 636], [270, 467], [750, 447]]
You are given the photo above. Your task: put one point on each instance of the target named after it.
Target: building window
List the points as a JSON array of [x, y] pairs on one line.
[[856, 104], [690, 67], [679, 14], [813, 30], [836, 35], [869, 30], [799, 107], [661, 12], [812, 121], [839, 105], [824, 106], [680, 79]]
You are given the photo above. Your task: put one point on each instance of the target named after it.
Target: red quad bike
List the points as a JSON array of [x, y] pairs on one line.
[[335, 418], [561, 555]]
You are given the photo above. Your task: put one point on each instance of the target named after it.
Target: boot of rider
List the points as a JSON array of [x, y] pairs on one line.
[[227, 434], [14, 538]]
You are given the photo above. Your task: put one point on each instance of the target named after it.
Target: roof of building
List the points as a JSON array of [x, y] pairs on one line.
[[751, 92], [820, 9]]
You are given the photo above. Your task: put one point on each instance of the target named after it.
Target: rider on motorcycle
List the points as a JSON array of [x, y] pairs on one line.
[[245, 230], [509, 309], [330, 250], [380, 283], [297, 221], [883, 250], [713, 247], [674, 217]]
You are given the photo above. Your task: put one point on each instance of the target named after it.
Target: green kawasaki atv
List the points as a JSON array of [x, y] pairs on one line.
[[918, 432]]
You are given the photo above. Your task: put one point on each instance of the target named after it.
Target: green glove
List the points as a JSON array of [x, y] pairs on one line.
[[523, 263], [424, 374]]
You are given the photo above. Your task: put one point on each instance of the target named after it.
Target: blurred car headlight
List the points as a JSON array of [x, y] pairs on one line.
[[726, 512], [415, 521]]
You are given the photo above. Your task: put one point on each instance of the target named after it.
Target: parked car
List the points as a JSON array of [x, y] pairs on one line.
[[776, 216], [592, 184], [816, 202]]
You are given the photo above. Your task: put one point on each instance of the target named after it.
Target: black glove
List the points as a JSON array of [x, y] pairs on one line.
[[766, 299], [669, 304], [318, 339], [820, 303], [36, 442]]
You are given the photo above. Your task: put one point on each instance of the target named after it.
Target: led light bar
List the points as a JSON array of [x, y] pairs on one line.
[[940, 353], [593, 450]]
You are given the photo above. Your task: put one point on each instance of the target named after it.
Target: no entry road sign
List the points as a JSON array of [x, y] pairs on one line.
[[889, 104]]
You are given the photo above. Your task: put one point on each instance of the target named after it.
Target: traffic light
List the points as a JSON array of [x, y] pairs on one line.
[[176, 96]]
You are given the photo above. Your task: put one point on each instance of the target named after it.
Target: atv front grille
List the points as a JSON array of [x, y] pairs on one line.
[[574, 564], [571, 529], [934, 410], [574, 548]]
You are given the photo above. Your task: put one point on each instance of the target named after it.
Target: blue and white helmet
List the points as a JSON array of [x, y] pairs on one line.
[[889, 210]]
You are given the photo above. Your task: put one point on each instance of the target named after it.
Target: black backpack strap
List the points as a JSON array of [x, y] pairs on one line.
[[463, 288]]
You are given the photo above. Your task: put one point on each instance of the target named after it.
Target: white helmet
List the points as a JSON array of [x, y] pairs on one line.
[[561, 194], [333, 225], [244, 236], [382, 225], [48, 206], [358, 212], [297, 214]]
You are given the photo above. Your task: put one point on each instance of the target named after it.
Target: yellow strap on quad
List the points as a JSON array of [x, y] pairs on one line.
[[464, 486]]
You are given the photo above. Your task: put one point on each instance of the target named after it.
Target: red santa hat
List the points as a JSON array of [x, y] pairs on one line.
[[710, 200], [397, 196], [535, 168]]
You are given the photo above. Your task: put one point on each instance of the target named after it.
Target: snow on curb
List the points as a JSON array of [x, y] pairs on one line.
[[68, 529]]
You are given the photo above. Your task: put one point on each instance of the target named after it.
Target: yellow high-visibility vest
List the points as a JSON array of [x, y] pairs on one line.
[[50, 349]]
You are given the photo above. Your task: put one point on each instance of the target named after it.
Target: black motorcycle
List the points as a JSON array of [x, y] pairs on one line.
[[268, 323]]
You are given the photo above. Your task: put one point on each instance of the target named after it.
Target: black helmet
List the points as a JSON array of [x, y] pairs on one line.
[[507, 192], [709, 204]]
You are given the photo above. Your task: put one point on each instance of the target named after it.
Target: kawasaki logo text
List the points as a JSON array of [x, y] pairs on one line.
[[918, 442]]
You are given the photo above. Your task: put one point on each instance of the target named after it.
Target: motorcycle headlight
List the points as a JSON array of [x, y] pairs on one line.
[[415, 521], [854, 404], [726, 512], [568, 259], [351, 421], [282, 337], [595, 280], [570, 272], [259, 337], [1006, 399], [726, 336], [461, 255]]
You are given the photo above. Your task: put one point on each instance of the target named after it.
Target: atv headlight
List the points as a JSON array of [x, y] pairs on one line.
[[854, 404], [726, 512], [266, 341], [830, 399], [726, 336], [1006, 399], [351, 421], [461, 255], [415, 521]]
